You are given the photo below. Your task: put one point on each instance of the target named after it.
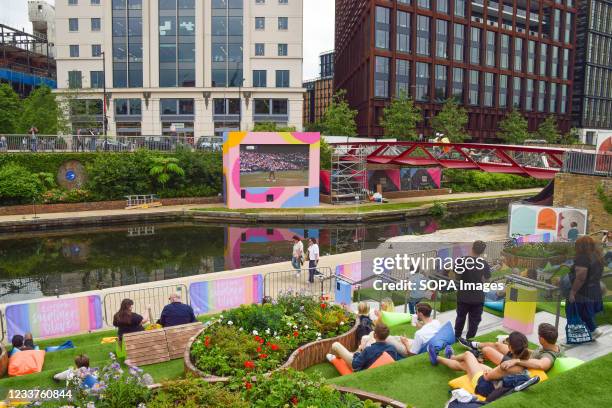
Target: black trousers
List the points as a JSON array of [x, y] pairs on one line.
[[312, 270], [474, 314]]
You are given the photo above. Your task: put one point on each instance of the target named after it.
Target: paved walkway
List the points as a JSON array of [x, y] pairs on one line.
[[182, 208]]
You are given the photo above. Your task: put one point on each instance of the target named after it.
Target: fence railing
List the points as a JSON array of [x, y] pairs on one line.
[[276, 283], [145, 300], [100, 143], [588, 163]]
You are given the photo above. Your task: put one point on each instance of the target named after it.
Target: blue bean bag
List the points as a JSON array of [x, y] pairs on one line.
[[64, 346], [497, 305], [444, 337]]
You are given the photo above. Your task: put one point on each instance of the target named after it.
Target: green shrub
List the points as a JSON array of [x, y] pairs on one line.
[[18, 185], [115, 175], [476, 181], [195, 393]]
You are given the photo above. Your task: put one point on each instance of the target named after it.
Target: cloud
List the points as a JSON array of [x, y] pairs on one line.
[[318, 33]]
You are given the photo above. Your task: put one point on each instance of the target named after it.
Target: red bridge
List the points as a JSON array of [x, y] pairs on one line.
[[532, 161]]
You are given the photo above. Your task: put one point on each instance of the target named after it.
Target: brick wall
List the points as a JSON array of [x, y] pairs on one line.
[[100, 205], [576, 190]]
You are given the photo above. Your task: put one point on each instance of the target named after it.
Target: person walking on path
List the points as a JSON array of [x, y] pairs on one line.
[[297, 254], [470, 303], [313, 259]]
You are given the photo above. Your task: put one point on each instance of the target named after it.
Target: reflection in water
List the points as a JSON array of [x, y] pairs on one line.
[[68, 261]]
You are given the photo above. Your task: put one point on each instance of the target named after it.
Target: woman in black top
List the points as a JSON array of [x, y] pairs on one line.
[[127, 321], [585, 277]]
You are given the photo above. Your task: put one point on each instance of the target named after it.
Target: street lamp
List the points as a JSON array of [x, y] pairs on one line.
[[240, 104], [104, 119]]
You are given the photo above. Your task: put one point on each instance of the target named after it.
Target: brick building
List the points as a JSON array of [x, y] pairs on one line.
[[319, 91]]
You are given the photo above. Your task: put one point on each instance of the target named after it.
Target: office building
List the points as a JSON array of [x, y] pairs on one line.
[[492, 56], [319, 91], [592, 100], [186, 67]]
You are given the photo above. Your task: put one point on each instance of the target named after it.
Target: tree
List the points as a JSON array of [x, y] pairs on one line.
[[10, 106], [400, 118], [339, 118], [326, 154], [164, 167], [451, 121], [548, 130], [571, 137], [513, 128], [42, 111], [272, 127]]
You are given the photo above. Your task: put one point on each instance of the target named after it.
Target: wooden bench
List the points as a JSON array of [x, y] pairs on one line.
[[157, 346]]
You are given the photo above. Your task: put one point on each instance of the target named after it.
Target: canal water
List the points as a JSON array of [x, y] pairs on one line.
[[36, 264]]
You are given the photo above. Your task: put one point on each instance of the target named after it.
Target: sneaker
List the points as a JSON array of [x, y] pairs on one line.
[[470, 345], [433, 355], [596, 333], [448, 352], [330, 357], [476, 354], [527, 384]]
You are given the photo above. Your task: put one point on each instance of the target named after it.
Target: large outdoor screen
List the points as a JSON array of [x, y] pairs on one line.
[[274, 165]]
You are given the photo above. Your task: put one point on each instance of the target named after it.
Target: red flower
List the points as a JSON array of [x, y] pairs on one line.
[[323, 305], [248, 385], [249, 364], [257, 338], [294, 400], [207, 341], [261, 341], [262, 356], [259, 349], [295, 334], [274, 347]]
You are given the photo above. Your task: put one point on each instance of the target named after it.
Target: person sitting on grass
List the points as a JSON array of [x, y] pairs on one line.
[[176, 313], [428, 327], [386, 305], [127, 321], [28, 342], [80, 361], [361, 360], [541, 359], [22, 343], [484, 378], [365, 326]]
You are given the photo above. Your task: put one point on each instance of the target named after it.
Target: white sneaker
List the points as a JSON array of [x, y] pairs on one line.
[[596, 333], [330, 357]]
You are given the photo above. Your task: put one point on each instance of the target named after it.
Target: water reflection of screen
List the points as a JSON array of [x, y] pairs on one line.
[[274, 165]]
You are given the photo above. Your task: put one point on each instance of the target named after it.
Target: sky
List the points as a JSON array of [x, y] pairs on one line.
[[318, 27]]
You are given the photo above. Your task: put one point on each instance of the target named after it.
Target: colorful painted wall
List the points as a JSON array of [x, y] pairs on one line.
[[420, 178], [562, 223], [274, 182], [391, 180]]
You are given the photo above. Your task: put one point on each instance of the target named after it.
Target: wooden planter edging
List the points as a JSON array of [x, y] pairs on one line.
[[305, 356], [518, 261], [364, 395]]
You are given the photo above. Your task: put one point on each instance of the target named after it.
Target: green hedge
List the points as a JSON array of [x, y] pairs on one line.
[[469, 181], [110, 176]]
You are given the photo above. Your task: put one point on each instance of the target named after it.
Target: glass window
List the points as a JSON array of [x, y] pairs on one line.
[[74, 79], [227, 43], [260, 49], [402, 77], [543, 58], [458, 84], [473, 88], [96, 79], [382, 27], [403, 31], [489, 88], [260, 23], [381, 76], [503, 91], [422, 33], [73, 2], [490, 56], [564, 101], [569, 23], [440, 93], [282, 50], [504, 57], [541, 96], [73, 24], [96, 25], [516, 92], [127, 44], [565, 69], [459, 41], [186, 106], [422, 81], [219, 107], [121, 107], [442, 6], [282, 78], [460, 8], [260, 78], [96, 50], [529, 95], [552, 107], [425, 4], [475, 46], [279, 106], [441, 38], [554, 62], [556, 24], [283, 23], [135, 107], [530, 56], [74, 51], [518, 53], [262, 106]]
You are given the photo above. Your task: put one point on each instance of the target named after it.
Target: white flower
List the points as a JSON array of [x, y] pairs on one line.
[[288, 323], [277, 337], [295, 326], [240, 329], [306, 327], [267, 331], [341, 323], [318, 338], [221, 317], [255, 333], [275, 333], [318, 334], [229, 323]]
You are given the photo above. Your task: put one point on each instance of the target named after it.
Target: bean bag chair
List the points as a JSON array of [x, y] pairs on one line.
[[497, 305], [26, 362], [64, 346], [341, 366], [383, 360], [394, 318], [444, 337], [563, 364], [470, 386]]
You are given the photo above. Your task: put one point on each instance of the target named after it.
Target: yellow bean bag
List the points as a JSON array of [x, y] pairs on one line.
[[394, 318], [470, 386]]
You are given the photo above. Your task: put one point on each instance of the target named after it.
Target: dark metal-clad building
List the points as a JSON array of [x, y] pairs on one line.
[[491, 55], [319, 91], [592, 100]]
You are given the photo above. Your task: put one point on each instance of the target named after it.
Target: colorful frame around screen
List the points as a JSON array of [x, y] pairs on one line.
[[239, 197]]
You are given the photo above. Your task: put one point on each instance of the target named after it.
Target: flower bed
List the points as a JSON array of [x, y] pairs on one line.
[[536, 255], [295, 332]]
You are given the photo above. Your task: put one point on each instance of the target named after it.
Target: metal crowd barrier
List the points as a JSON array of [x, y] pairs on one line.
[[276, 283], [145, 300]]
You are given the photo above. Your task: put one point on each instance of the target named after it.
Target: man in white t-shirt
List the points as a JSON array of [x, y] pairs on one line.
[[297, 254], [428, 328], [313, 259]]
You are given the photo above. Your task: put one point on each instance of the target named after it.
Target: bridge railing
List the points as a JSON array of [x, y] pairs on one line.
[[588, 163]]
